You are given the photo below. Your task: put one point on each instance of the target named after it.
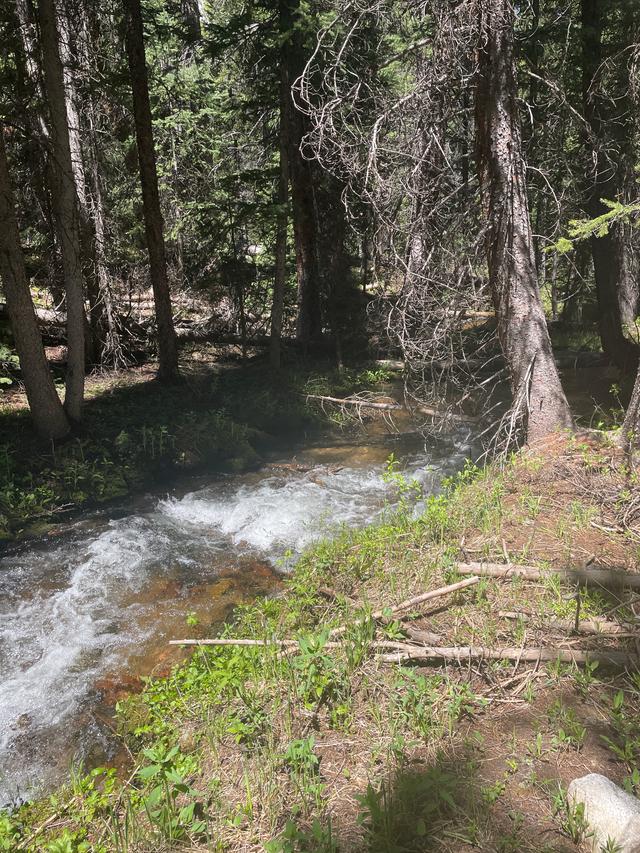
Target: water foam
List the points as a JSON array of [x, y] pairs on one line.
[[280, 514], [71, 613], [57, 632]]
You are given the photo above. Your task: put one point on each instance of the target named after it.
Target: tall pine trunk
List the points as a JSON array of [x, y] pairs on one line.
[[282, 219], [538, 399], [616, 284], [46, 409], [154, 226], [65, 207], [301, 172]]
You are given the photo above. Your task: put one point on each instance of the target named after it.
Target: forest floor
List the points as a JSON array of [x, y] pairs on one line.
[[137, 433], [320, 747]]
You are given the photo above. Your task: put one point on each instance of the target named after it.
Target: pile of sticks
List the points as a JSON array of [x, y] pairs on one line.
[[423, 646]]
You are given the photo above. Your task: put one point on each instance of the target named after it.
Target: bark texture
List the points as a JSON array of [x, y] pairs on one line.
[[615, 276], [282, 222], [65, 207], [154, 226], [305, 226], [538, 398], [46, 409], [630, 435]]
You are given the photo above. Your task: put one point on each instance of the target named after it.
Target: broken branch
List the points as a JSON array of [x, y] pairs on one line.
[[588, 575], [466, 653], [391, 407], [585, 626], [413, 602]]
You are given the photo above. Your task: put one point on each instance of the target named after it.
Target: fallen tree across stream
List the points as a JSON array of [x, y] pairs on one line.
[[430, 411]]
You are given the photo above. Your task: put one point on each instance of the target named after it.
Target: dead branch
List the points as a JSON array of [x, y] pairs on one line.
[[465, 653], [407, 651], [391, 407], [413, 602], [585, 626], [609, 578]]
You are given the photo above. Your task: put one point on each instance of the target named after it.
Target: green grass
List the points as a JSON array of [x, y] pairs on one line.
[[324, 749], [135, 435]]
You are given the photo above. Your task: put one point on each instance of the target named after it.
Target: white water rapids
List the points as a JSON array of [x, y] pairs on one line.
[[77, 608]]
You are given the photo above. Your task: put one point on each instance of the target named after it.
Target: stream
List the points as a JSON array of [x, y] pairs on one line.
[[87, 611]]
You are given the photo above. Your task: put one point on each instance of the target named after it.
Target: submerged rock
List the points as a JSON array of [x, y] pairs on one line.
[[613, 815]]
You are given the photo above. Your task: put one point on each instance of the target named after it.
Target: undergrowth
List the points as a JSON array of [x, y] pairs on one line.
[[324, 749], [135, 435]]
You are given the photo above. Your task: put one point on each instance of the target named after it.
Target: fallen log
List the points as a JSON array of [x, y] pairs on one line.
[[596, 625], [541, 655], [430, 411], [609, 578]]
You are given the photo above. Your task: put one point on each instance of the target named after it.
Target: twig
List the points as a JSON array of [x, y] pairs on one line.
[[230, 641], [413, 602], [287, 644], [47, 823]]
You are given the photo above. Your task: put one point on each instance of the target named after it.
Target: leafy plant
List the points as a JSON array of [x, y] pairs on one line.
[[9, 833], [399, 815], [319, 675], [625, 744], [304, 766], [570, 731], [572, 819], [318, 839], [173, 820]]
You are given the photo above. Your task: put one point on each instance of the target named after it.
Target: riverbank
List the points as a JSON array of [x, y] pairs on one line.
[[137, 434], [324, 747]]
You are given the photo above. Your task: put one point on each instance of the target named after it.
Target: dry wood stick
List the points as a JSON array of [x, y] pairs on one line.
[[230, 641], [465, 653], [413, 602], [284, 644], [585, 626], [600, 577]]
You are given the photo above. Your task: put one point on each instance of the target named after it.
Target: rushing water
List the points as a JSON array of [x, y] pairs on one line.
[[84, 611]]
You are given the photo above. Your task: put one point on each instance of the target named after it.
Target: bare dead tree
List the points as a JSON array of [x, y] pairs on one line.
[[398, 133]]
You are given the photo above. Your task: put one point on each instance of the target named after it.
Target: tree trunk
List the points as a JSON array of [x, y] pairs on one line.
[[65, 206], [616, 287], [630, 435], [46, 409], [92, 327], [110, 344], [167, 346], [305, 226], [282, 220], [538, 399], [192, 25]]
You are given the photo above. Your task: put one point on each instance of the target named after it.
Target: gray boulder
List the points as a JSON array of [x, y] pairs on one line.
[[612, 814]]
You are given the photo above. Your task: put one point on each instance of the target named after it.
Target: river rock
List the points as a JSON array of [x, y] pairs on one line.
[[612, 814]]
